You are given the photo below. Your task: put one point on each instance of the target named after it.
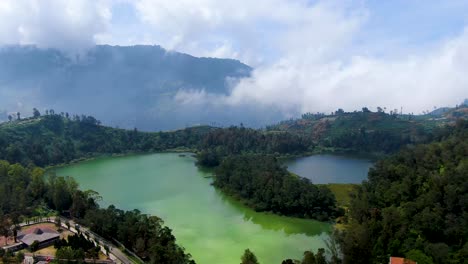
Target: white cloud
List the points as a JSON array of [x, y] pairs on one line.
[[319, 68], [248, 30], [68, 25], [308, 55], [436, 77]]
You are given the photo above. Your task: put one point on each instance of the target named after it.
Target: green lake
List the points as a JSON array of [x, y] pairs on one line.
[[212, 227], [322, 169]]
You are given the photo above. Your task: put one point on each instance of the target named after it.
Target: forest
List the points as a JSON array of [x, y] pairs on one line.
[[24, 189], [379, 133], [55, 139], [265, 185], [220, 143], [414, 204]]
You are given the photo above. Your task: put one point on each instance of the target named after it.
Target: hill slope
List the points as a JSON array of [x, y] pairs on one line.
[[366, 131], [414, 204], [53, 139], [138, 84]]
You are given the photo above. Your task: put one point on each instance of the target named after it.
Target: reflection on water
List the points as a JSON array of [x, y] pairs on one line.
[[276, 222], [212, 227]]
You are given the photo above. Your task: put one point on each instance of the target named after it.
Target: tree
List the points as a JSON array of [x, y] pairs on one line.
[[419, 257], [67, 253], [10, 118], [16, 228], [36, 113], [249, 257], [365, 110], [58, 222], [309, 258], [18, 116], [320, 256], [20, 257], [34, 246], [5, 228]]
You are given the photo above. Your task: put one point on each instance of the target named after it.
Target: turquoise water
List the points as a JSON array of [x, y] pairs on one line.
[[212, 227]]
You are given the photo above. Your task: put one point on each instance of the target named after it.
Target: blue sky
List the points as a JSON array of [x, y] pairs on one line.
[[405, 25], [307, 55]]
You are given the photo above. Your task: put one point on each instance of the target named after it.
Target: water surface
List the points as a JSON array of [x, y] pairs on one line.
[[322, 169], [212, 227]]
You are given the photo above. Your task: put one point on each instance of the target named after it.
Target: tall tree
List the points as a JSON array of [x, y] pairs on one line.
[[249, 257], [36, 113]]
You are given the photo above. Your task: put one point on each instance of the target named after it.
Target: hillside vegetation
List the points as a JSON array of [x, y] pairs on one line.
[[414, 203], [24, 189], [267, 186], [55, 139], [369, 132]]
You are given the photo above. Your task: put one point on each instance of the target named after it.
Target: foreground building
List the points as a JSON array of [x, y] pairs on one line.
[[44, 236]]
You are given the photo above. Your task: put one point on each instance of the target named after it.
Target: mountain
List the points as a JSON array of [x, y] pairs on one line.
[[128, 87]]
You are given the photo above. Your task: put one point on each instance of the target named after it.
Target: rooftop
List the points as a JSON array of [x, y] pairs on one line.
[[39, 234], [395, 260]]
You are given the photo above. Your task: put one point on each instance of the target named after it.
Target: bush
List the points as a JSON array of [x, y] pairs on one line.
[[34, 246]]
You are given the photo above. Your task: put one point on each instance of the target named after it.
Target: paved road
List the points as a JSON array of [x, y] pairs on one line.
[[118, 255], [101, 241]]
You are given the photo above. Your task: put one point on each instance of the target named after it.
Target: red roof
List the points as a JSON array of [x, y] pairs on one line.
[[395, 260]]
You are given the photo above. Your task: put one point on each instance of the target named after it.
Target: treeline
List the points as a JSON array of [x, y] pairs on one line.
[[55, 139], [76, 247], [308, 258], [22, 189], [414, 204], [265, 185], [361, 131], [145, 235], [220, 143]]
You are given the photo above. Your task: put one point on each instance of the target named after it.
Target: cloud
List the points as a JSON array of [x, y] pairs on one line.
[[321, 66], [68, 25], [246, 30], [308, 55]]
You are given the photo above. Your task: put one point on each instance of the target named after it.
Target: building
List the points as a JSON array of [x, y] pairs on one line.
[[45, 237], [395, 260]]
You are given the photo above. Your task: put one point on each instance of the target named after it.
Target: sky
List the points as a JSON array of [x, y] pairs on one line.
[[308, 56]]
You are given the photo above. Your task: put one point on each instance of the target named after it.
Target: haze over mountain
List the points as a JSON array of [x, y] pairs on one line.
[[122, 86], [306, 56]]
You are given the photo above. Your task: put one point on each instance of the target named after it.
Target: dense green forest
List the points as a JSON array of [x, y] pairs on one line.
[[369, 132], [221, 143], [265, 185], [54, 139], [413, 204], [24, 189]]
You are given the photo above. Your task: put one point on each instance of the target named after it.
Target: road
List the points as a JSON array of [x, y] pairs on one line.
[[114, 252]]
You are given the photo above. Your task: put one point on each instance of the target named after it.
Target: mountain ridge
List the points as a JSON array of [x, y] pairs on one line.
[[138, 83]]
